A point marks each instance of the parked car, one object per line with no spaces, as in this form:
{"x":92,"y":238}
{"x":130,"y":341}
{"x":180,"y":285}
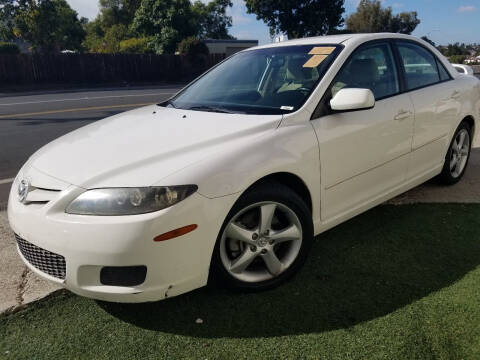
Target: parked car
{"x":463,"y":69}
{"x":231,"y":179}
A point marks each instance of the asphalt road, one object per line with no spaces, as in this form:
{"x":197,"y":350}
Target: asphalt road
{"x":27,"y":122}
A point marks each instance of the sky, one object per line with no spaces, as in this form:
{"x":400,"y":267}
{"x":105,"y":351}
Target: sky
{"x":443,"y":21}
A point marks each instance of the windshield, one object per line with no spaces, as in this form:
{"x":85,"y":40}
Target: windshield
{"x":275,"y":80}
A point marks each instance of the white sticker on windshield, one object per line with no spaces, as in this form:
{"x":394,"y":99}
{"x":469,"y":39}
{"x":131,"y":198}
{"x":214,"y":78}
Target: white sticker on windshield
{"x":287,"y":108}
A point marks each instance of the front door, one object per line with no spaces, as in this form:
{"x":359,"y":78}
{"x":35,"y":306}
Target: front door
{"x":364,"y":154}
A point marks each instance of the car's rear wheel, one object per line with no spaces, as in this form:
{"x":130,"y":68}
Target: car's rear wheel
{"x":264,"y":239}
{"x":457,"y":156}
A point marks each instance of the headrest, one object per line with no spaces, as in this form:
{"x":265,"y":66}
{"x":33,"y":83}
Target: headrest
{"x":363,"y":72}
{"x":296,"y":71}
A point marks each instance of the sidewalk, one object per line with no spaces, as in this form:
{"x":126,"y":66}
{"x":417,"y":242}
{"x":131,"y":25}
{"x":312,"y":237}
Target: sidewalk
{"x":20,"y":286}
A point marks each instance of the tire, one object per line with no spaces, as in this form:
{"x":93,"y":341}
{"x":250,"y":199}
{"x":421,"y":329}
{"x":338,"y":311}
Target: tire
{"x":456,"y":160}
{"x":243,"y":223}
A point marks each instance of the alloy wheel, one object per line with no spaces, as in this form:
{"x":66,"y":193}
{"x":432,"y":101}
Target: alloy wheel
{"x":460,"y":151}
{"x":260,"y":242}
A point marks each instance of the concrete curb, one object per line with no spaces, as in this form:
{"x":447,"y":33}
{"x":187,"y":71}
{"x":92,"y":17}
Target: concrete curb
{"x":19,"y":285}
{"x":466,"y":191}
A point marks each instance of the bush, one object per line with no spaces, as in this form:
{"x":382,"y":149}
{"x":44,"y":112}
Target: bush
{"x":192,"y":47}
{"x":9,"y":48}
{"x":135,"y":46}
{"x":113,"y":37}
{"x":457,"y":59}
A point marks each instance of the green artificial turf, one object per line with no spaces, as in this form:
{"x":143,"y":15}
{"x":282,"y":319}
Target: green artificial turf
{"x":399,"y":282}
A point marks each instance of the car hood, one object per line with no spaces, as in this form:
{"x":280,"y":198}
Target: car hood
{"x":142,"y":146}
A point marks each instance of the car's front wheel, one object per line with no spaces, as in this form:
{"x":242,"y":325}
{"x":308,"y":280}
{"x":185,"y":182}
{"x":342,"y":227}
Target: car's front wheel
{"x":264,"y":239}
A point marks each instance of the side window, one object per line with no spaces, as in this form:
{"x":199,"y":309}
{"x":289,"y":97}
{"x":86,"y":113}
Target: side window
{"x":444,"y":76}
{"x":371,"y":68}
{"x":419,"y":64}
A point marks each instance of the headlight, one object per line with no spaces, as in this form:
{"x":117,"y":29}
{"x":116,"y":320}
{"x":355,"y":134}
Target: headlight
{"x":128,"y":201}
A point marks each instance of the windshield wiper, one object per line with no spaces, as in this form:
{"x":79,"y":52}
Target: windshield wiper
{"x":166,"y":103}
{"x":210,"y":109}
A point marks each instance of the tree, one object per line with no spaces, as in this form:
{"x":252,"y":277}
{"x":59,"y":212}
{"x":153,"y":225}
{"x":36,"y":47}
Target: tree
{"x":372,"y":17}
{"x":454,"y":49}
{"x":94,"y":36}
{"x":111,"y":26}
{"x":457,"y":59}
{"x":298,"y":18}
{"x":404,"y":23}
{"x":7,"y":19}
{"x":167,"y":22}
{"x":212,"y":21}
{"x":114,"y":12}
{"x":425,"y":38}
{"x":49,"y":25}
{"x":113,"y":37}
{"x":135,"y":46}
{"x":192,"y":47}
{"x":160,"y":24}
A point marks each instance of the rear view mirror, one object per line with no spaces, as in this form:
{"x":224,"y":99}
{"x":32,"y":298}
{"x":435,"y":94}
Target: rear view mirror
{"x":352,"y":99}
{"x":278,"y":62}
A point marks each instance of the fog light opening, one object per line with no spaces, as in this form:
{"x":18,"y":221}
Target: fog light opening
{"x":123,"y":275}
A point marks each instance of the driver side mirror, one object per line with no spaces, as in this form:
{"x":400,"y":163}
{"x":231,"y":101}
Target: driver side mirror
{"x":352,"y":99}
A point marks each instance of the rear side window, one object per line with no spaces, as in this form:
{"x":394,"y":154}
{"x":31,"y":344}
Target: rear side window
{"x":444,"y":76}
{"x":371,"y":68}
{"x":419,"y":64}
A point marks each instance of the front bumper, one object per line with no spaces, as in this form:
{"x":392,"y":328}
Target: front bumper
{"x":89,"y":243}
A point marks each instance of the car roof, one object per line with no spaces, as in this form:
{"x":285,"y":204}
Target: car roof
{"x":345,"y":39}
{"x":354,"y":40}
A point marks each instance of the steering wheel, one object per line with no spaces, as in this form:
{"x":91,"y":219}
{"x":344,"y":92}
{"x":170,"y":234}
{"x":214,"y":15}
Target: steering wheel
{"x":304,"y":89}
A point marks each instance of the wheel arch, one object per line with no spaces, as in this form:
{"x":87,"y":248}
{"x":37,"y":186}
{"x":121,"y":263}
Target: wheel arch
{"x":290,"y":180}
{"x":282,"y":180}
{"x":469,"y":119}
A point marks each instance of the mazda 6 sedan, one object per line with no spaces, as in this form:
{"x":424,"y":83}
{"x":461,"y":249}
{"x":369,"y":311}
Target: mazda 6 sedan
{"x":464,"y":69}
{"x":231,"y":179}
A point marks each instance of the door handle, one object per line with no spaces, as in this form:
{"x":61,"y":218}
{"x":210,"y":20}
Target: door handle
{"x":403,"y":114}
{"x":455,"y":95}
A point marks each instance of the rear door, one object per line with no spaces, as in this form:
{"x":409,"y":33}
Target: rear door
{"x":436,"y":103}
{"x":364,"y":154}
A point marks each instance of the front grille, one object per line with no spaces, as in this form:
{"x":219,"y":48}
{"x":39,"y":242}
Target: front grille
{"x":44,"y":260}
{"x":40,"y":196}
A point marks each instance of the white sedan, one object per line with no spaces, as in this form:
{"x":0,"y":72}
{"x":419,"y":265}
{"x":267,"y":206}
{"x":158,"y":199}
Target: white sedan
{"x":464,"y":69}
{"x":233,"y":177}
